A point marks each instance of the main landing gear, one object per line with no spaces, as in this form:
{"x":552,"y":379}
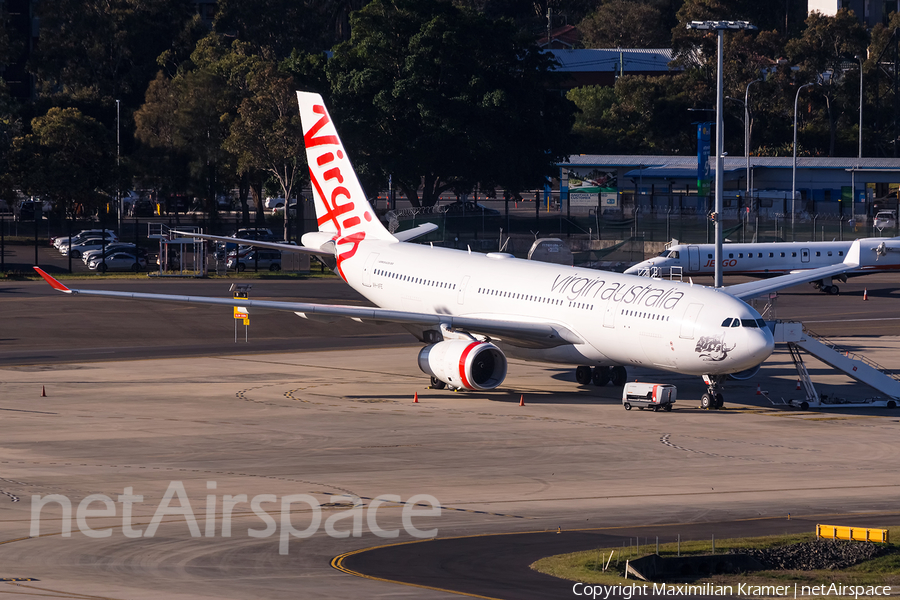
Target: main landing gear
{"x":713,"y":397}
{"x":601,"y":375}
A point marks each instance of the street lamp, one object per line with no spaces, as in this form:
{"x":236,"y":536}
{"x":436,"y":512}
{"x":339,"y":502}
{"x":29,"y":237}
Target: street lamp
{"x":794,"y":172}
{"x":720,"y":27}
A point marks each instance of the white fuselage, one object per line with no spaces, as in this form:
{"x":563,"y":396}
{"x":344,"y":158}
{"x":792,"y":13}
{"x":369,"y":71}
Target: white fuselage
{"x":759,"y":259}
{"x":622,"y":319}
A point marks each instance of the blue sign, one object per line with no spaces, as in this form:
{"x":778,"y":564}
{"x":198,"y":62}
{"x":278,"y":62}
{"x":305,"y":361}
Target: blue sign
{"x":703,"y":177}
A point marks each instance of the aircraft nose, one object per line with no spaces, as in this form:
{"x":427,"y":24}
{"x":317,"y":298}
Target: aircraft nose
{"x":760,"y":344}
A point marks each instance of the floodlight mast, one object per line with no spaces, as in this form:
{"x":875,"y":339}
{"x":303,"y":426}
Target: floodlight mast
{"x":720,"y":27}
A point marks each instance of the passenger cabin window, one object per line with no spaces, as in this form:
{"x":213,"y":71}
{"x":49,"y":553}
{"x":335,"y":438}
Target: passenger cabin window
{"x":782,"y":255}
{"x":731,"y":255}
{"x":794,"y":254}
{"x":818,"y":253}
{"x":829,"y":253}
{"x":840,"y":252}
{"x":771,"y":255}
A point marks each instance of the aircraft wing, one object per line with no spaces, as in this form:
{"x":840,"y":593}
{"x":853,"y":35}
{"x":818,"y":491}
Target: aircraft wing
{"x":272,"y":245}
{"x":758,"y":288}
{"x":416,"y":232}
{"x":517,"y":333}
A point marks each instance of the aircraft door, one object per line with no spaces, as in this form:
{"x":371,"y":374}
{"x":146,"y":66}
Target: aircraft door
{"x":688,"y":321}
{"x":609,"y":318}
{"x":368,"y":268}
{"x":461,"y":295}
{"x":693,"y":259}
{"x":804,"y":255}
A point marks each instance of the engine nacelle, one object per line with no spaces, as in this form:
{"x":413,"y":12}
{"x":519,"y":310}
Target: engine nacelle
{"x":464,"y":364}
{"x":745,"y":374}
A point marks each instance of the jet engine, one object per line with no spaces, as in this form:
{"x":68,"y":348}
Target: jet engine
{"x":467,"y":364}
{"x":745,"y":374}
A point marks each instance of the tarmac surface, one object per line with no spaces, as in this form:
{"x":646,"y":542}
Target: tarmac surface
{"x":142,"y":396}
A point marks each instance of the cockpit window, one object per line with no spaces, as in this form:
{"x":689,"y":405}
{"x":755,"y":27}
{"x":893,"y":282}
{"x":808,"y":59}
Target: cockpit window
{"x":664,"y":254}
{"x":761,"y":323}
{"x":726,"y":323}
{"x":749,"y":323}
{"x":736,"y":323}
{"x":673,"y":254}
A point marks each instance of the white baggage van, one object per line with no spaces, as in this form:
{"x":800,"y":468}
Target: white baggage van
{"x":654,"y":396}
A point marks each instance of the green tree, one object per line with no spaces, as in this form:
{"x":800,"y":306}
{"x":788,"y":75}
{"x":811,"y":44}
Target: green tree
{"x":101,"y":51}
{"x":267,"y":134}
{"x":604,"y":28}
{"x":442,"y":98}
{"x":68,"y":157}
{"x":827,"y":43}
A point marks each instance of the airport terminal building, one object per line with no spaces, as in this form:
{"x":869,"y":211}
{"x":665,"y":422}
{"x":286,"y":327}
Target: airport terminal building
{"x":834,"y":186}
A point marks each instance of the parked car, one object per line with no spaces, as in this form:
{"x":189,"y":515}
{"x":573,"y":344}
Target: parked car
{"x":88,"y":244}
{"x":111,"y":248}
{"x":885,"y":219}
{"x":251,"y":233}
{"x":272,"y":203}
{"x":64,"y":246}
{"x":142,"y":207}
{"x":81,"y":235}
{"x":118,"y":261}
{"x":268,"y":259}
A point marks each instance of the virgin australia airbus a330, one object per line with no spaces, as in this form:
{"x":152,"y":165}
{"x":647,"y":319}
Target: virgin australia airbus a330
{"x":474,"y":310}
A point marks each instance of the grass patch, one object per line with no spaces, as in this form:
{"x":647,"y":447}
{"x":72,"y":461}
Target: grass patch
{"x":587,"y":566}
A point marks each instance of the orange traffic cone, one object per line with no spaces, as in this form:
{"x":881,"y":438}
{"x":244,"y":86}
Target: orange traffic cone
{"x":865,"y":294}
{"x":416,"y":398}
{"x":522,"y":400}
{"x":798,"y":384}
{"x":758,"y":391}
{"x":43,"y":392}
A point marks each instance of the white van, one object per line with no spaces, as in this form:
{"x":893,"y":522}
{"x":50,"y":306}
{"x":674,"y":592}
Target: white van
{"x":649,"y":395}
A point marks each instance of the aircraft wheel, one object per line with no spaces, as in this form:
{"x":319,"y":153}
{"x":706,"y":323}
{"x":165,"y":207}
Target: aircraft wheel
{"x":627,"y":406}
{"x":583,"y":375}
{"x":706,"y":401}
{"x":891,"y":404}
{"x":619,"y":376}
{"x":804,"y":406}
{"x":656,"y":409}
{"x":833,"y":290}
{"x":600,"y":376}
{"x":437,"y":383}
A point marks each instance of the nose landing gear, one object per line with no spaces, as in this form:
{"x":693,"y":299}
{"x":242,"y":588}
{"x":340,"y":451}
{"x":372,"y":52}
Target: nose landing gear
{"x":713,"y":398}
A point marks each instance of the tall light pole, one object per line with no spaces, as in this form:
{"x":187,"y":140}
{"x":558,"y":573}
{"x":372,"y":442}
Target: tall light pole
{"x":794,"y":172}
{"x":747,"y":132}
{"x":720,"y":27}
{"x":859,"y":156}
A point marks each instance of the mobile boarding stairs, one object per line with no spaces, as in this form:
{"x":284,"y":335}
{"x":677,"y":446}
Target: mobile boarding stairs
{"x":854,"y":365}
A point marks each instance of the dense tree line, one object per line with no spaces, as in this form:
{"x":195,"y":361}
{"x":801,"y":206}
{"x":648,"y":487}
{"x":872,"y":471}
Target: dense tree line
{"x":436,"y":94}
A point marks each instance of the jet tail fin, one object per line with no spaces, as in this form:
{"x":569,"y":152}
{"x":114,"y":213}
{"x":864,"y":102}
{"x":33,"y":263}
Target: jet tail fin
{"x":341,"y":205}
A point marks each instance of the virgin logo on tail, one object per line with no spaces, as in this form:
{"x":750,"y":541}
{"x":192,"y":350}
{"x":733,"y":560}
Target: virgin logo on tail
{"x":341,"y":207}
